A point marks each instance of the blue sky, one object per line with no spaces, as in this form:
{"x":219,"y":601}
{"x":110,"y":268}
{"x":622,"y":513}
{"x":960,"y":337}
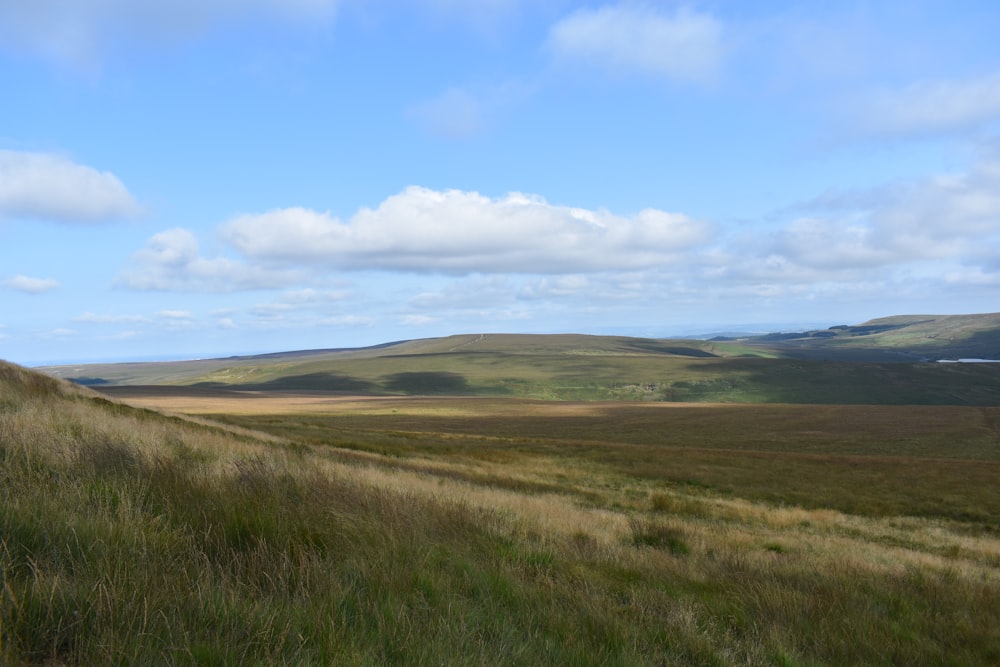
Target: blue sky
{"x":212,"y":177}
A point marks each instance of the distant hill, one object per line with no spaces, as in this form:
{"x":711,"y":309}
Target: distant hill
{"x":902,"y":337}
{"x":883,"y":361}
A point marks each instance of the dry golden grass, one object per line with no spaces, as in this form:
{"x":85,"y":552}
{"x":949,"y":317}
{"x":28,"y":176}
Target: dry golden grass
{"x":893,"y":542}
{"x":413,"y":534}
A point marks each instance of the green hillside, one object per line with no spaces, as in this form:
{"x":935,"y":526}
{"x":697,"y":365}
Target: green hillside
{"x":807,"y":369}
{"x":903,"y":337}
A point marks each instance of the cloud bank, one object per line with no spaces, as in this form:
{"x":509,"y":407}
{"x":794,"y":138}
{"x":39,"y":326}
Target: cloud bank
{"x":931,"y":107}
{"x":455,"y":232}
{"x":946,"y":224}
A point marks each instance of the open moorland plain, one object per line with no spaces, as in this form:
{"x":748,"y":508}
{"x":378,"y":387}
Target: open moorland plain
{"x":754,"y":502}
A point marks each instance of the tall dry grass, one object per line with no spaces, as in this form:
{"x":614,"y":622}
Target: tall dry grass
{"x":127,"y":537}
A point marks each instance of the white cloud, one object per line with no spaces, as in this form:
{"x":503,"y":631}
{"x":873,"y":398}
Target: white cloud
{"x":177,"y":315}
{"x":684,"y":46}
{"x":309,"y":296}
{"x":423,"y":230}
{"x":475,"y":293}
{"x":556,"y":287}
{"x":830,"y":244}
{"x":30,"y":285}
{"x":418,"y":320}
{"x":93,"y":318}
{"x":929,"y":107}
{"x":171,"y":261}
{"x":348,"y":321}
{"x":298,"y":300}
{"x":975,"y":277}
{"x":79,"y":31}
{"x":941,"y":225}
{"x":52,"y":187}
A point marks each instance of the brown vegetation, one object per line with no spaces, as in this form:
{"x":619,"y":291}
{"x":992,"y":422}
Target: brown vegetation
{"x":439,"y":531}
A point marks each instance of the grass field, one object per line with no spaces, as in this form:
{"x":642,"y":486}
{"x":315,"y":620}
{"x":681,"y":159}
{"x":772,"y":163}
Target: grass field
{"x":278,"y":528}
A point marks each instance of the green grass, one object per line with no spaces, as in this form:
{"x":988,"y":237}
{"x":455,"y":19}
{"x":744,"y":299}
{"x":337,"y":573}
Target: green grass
{"x":487,"y":534}
{"x":873,"y":460}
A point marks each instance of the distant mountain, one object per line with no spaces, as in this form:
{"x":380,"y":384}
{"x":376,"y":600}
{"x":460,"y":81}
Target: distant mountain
{"x":897,"y":338}
{"x":883,"y":361}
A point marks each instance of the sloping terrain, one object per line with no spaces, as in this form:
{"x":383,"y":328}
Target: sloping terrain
{"x":903,"y":337}
{"x":578,"y":367}
{"x":447,"y":531}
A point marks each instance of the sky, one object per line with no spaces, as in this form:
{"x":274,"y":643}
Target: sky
{"x":201,"y":178}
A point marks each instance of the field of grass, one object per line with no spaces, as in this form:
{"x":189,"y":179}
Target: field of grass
{"x":311,"y":529}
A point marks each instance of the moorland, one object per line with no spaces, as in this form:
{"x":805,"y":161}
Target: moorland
{"x":500,"y":499}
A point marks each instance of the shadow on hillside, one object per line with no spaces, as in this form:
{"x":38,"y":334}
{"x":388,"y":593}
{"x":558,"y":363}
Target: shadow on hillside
{"x":429,"y":382}
{"x":979,"y":345}
{"x":306,"y":382}
{"x":658,"y":347}
{"x":828,"y":382}
{"x":88,"y":381}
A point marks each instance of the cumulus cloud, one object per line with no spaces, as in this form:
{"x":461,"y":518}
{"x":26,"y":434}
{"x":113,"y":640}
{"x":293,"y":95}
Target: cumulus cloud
{"x":171,"y":261}
{"x":683,"y":46}
{"x":51,"y":187}
{"x":423,"y":230}
{"x":30,"y":285}
{"x":930,"y":107}
{"x":78,"y":31}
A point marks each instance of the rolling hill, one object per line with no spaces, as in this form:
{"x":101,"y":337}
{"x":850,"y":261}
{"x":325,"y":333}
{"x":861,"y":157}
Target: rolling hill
{"x":902,"y":337}
{"x":883,"y":361}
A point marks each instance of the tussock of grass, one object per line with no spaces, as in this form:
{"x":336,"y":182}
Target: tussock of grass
{"x":129,"y":538}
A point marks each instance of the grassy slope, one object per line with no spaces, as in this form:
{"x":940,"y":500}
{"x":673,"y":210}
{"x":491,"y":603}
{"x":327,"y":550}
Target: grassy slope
{"x":895,"y":338}
{"x":572,"y":367}
{"x":131,"y":538}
